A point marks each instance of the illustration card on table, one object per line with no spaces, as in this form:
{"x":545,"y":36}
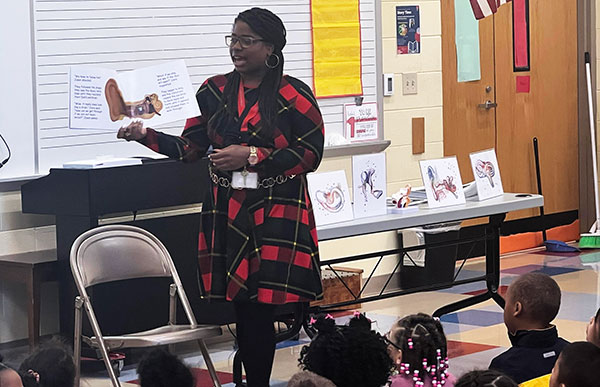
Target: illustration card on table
{"x":443,"y":185}
{"x":368,"y":185}
{"x":487,"y":174}
{"x":330,"y":197}
{"x":103,"y":99}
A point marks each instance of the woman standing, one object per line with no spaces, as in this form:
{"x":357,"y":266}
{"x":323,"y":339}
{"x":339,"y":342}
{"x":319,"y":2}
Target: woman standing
{"x":258,"y":243}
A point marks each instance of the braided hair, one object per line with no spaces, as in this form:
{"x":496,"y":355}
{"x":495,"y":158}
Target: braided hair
{"x":349,"y":355}
{"x":271,"y":29}
{"x":485,"y":378}
{"x":51,"y":365}
{"x":422,"y":341}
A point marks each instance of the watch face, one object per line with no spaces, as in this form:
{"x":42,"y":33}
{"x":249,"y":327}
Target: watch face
{"x":253,"y":159}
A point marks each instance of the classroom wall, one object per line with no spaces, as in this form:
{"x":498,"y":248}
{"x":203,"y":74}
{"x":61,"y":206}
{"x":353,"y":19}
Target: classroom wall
{"x":24,"y":232}
{"x":402,"y":165}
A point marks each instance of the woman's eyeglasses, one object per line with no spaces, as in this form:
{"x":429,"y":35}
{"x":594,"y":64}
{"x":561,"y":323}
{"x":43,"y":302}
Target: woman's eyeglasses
{"x":245,"y":41}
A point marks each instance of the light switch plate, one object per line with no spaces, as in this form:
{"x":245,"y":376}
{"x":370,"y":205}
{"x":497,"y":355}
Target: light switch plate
{"x":409,"y":83}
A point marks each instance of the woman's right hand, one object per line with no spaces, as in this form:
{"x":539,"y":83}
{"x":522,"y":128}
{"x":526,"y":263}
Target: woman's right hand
{"x":134,"y":131}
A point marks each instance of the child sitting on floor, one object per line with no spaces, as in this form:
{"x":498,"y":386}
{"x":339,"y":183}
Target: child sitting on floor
{"x":592,"y":333}
{"x":349,"y":355}
{"x":417,"y":346}
{"x":159,"y":368}
{"x":577,"y":366}
{"x":485,"y":378}
{"x":50,"y":365}
{"x":532,"y":302}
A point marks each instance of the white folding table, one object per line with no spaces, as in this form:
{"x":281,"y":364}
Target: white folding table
{"x":494,"y":209}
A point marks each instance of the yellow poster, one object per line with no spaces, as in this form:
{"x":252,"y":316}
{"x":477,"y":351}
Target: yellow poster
{"x":337,"y":69}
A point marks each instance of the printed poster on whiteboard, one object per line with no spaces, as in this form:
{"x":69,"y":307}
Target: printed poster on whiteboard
{"x":361,"y":122}
{"x":487,"y":174}
{"x":103,"y":99}
{"x":443,"y":185}
{"x":330,"y":197}
{"x":369,"y":185}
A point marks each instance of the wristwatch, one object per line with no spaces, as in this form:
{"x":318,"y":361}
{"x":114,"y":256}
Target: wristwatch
{"x":253,"y":157}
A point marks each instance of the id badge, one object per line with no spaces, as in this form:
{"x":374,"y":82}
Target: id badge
{"x":244,"y":180}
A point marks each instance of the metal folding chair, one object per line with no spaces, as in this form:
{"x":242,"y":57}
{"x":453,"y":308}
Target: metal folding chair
{"x":121,"y":252}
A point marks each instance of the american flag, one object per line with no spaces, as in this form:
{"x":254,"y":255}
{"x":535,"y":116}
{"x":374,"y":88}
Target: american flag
{"x":483,"y":8}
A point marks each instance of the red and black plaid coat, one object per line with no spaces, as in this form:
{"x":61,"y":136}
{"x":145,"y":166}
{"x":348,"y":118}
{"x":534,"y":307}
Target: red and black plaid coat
{"x":258,"y":245}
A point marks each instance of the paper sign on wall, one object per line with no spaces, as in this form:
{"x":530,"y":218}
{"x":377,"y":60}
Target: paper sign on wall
{"x":361,"y":122}
{"x":330,"y":197}
{"x":408,"y":31}
{"x":369,"y":185}
{"x":487,"y":174}
{"x":443,"y":185}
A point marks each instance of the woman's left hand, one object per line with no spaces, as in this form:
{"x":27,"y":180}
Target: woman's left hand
{"x":230,"y":158}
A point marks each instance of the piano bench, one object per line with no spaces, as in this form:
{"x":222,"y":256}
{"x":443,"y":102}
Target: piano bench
{"x":30,"y":269}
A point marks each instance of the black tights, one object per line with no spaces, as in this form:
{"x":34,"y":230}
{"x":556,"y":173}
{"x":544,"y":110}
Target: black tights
{"x":256,"y":340}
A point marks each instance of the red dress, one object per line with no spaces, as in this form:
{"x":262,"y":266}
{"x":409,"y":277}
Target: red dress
{"x":256,"y":245}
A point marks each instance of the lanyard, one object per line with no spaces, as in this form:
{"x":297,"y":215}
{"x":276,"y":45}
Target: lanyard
{"x":242,"y":107}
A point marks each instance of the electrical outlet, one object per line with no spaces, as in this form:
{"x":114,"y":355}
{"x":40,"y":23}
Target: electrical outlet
{"x":409,"y":83}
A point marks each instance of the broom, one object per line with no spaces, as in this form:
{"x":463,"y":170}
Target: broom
{"x":592,"y":239}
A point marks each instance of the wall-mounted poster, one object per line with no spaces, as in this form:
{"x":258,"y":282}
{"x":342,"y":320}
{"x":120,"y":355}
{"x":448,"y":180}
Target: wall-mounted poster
{"x":330,"y":197}
{"x":443,"y":185}
{"x":408,"y":31}
{"x":487,"y":174}
{"x":368,"y":185}
{"x":361,"y":122}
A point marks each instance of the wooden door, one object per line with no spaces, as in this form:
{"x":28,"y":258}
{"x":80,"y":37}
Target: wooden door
{"x":548,"y":111}
{"x":467,"y":127}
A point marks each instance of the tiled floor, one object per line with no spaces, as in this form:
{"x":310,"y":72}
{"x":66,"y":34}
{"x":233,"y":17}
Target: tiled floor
{"x":475,"y":335}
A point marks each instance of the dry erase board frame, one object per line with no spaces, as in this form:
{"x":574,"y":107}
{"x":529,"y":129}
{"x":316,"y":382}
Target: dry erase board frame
{"x":129,"y":34}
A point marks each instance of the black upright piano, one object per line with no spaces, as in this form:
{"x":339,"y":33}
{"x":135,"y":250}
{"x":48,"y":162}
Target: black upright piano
{"x":81,"y":198}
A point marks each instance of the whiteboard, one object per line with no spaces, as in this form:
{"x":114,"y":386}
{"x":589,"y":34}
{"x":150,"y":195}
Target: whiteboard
{"x":124,"y":35}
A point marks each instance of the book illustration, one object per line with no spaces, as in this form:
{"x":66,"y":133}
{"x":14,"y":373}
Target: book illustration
{"x":485,"y":170}
{"x":104,"y":99}
{"x":443,"y":185}
{"x":369,"y":184}
{"x":367,"y":178}
{"x":440,"y":187}
{"x":332,"y":198}
{"x":119,"y":109}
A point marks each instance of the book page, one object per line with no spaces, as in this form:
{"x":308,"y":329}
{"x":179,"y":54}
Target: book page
{"x":87,"y":102}
{"x":161,"y":93}
{"x":102,"y":99}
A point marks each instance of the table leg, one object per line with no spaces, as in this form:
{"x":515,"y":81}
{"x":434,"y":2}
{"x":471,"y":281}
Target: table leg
{"x":492,"y":270}
{"x":33,"y":309}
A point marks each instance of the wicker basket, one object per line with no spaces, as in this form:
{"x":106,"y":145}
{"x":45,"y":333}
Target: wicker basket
{"x":334,"y":290}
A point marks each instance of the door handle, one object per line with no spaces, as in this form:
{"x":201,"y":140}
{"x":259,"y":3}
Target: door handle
{"x":487,"y":105}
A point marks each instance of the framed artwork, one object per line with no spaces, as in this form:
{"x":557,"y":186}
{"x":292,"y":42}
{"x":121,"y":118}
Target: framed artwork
{"x":330,"y":197}
{"x":487,"y":174}
{"x":369,"y":185}
{"x":443,"y":185}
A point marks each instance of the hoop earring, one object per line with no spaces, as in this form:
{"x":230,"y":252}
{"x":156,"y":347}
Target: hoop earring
{"x":272,"y":66}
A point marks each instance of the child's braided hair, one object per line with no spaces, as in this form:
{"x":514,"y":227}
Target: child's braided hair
{"x":349,"y":355}
{"x":422,"y":341}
